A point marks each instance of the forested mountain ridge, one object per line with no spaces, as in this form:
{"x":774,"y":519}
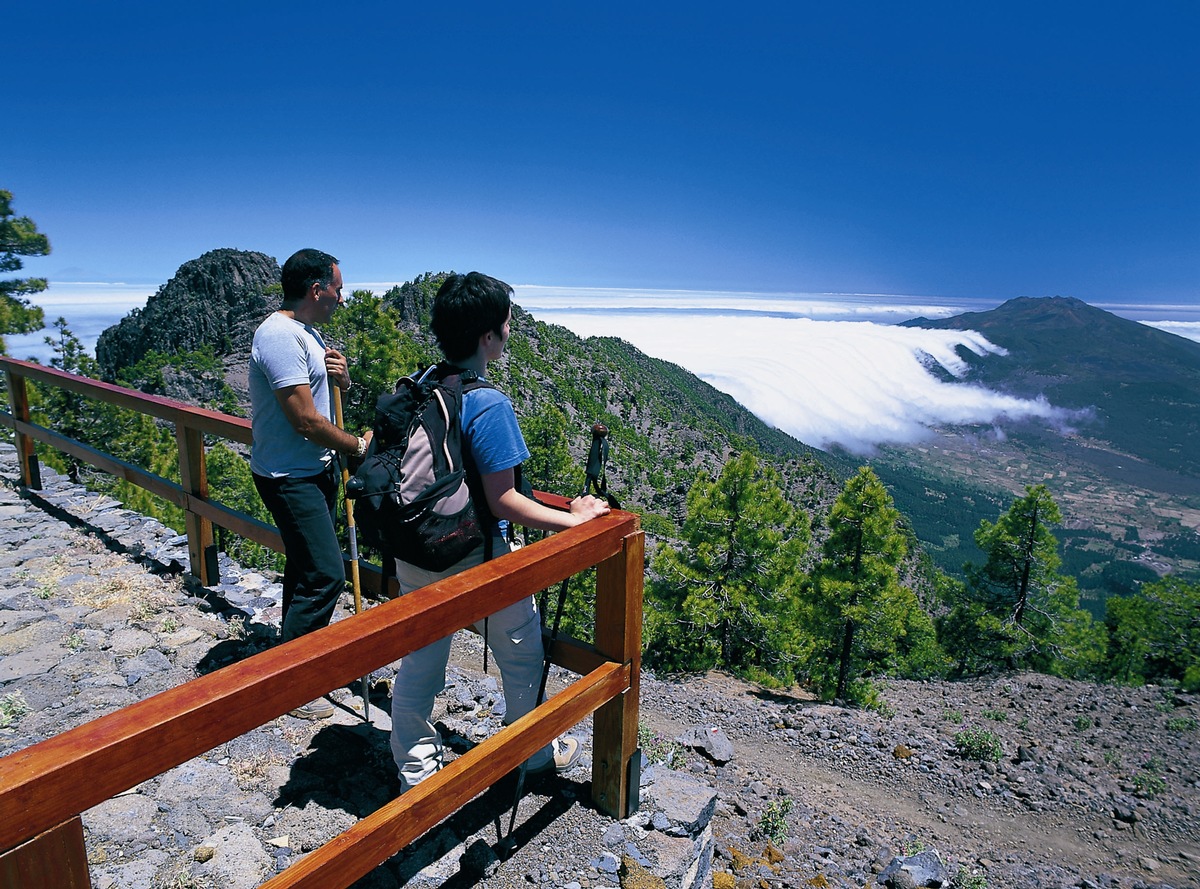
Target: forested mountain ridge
{"x":1143,"y":383}
{"x":1125,"y":468}
{"x":665,"y":424}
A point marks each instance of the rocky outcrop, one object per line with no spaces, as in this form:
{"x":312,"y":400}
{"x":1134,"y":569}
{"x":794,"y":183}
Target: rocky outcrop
{"x":414,"y":299}
{"x":216,"y":300}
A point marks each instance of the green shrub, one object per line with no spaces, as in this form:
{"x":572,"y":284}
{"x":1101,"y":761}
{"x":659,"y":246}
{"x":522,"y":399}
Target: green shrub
{"x":1149,"y":784}
{"x":659,"y":749}
{"x":772,"y":825}
{"x":964,"y":879}
{"x":954,"y":716}
{"x":995,"y":715}
{"x":1083,"y":723}
{"x":12,"y":707}
{"x":980,"y":745}
{"x":1181,"y":724}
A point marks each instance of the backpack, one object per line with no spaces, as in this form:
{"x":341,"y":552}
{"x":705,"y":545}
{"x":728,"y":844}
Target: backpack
{"x":411,"y":492}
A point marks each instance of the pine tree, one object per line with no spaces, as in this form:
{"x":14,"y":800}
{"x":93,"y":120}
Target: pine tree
{"x":1154,"y":634}
{"x":860,"y":613}
{"x":376,"y":362}
{"x":18,"y":237}
{"x":550,"y":468}
{"x":728,"y":597}
{"x":1017,"y":610}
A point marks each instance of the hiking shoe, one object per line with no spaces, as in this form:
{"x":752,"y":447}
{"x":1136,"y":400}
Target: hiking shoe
{"x":567,"y":752}
{"x":318,"y":709}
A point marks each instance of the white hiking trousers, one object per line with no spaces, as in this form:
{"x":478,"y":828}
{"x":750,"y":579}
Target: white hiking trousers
{"x":515,"y":638}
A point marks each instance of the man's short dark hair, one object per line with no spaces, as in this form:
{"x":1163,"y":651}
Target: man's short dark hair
{"x":305,"y":268}
{"x":465,"y":308}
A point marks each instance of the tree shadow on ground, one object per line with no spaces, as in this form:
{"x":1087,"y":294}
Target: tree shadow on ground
{"x":778,"y":697}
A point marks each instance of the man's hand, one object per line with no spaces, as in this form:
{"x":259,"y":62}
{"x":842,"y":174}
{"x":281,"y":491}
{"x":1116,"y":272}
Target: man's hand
{"x":338,"y":368}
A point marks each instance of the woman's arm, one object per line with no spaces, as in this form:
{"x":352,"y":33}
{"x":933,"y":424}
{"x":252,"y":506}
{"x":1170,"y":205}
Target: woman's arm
{"x":506,"y":502}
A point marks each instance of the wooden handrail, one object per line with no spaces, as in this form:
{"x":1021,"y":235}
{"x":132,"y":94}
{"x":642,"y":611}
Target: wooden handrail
{"x":43,"y":788}
{"x":177,"y":412}
{"x":41,"y":785}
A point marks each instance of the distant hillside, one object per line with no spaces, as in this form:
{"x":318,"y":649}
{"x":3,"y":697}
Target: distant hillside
{"x":1127,"y":479}
{"x":666,"y":424}
{"x":1144,"y":383}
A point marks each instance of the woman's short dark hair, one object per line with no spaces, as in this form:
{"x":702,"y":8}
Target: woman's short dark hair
{"x":303,"y":269}
{"x":465,"y":308}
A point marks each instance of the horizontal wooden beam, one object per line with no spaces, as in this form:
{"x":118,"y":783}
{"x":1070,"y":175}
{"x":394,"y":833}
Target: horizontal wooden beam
{"x":208,"y":421}
{"x":377,"y":837}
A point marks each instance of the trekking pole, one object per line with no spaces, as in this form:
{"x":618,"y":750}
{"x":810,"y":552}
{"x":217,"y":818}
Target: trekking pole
{"x":595,"y":478}
{"x":352,"y":532}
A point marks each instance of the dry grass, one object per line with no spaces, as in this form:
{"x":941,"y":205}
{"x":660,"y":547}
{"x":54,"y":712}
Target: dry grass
{"x":178,"y":875}
{"x":249,"y":771}
{"x":114,"y":582}
{"x":133,"y":589}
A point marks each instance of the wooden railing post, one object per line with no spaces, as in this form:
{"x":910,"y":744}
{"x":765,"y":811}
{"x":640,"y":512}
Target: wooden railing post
{"x":193,"y":478}
{"x":618,"y":638}
{"x":55,"y":858}
{"x":18,"y":400}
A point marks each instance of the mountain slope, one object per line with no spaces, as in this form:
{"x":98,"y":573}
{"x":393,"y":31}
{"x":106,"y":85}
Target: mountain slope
{"x":1143,"y":383}
{"x":1126,"y":476}
{"x":666,"y":424}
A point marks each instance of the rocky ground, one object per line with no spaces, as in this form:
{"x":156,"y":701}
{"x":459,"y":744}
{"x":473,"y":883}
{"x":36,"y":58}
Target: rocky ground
{"x":1094,"y":786}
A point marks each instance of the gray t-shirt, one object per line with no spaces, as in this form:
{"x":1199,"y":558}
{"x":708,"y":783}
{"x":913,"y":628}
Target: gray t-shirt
{"x":285,"y":353}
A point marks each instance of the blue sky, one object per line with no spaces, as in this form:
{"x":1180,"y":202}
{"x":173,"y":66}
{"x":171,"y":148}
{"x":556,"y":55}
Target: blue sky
{"x":952,"y":149}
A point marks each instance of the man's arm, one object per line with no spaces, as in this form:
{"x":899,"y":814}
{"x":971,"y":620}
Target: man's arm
{"x":301,"y":411}
{"x":506,"y":502}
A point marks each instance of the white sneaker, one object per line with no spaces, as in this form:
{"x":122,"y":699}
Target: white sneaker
{"x":318,"y":709}
{"x":567,"y":752}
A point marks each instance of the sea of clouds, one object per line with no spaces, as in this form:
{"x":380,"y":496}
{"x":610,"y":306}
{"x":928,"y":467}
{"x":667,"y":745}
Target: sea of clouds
{"x":89,"y":308}
{"x":826,"y":368}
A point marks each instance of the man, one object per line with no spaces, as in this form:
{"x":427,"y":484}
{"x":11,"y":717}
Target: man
{"x":471,"y":315}
{"x":295,"y":441}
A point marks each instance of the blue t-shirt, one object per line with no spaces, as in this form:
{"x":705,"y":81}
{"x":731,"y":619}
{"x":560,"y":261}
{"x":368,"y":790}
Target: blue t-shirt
{"x":285,"y":353}
{"x":491,"y":431}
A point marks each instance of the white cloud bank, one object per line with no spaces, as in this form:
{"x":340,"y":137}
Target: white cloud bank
{"x":855,"y":383}
{"x":1187,"y":329}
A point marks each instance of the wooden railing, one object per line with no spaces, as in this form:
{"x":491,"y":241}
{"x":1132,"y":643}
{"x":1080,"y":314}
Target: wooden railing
{"x":45,"y":787}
